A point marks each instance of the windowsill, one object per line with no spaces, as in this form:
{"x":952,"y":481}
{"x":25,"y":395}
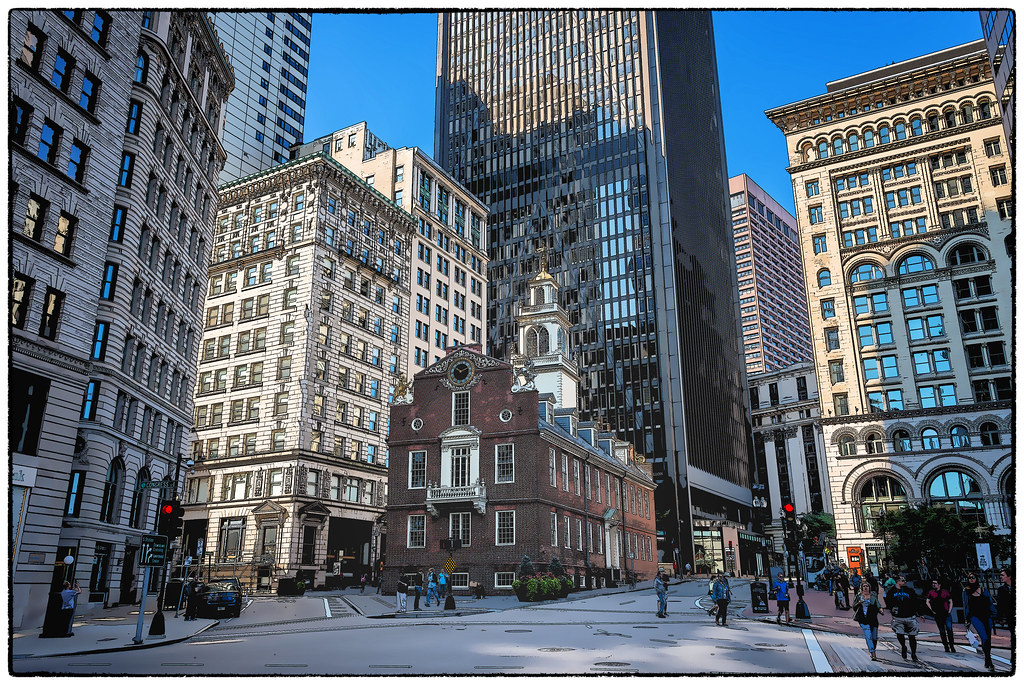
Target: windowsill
{"x":60,"y":93}
{"x":27,"y":154}
{"x":45,"y":250}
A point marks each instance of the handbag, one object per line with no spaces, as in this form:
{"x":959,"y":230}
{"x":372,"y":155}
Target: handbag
{"x":973,"y":638}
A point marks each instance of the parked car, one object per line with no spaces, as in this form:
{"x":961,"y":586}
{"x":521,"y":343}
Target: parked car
{"x":220,"y":598}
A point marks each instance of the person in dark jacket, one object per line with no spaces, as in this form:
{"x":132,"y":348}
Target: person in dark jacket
{"x":901,"y":601}
{"x":978,"y":613}
{"x":1005,"y":604}
{"x":721,"y":594}
{"x":192,"y":587}
{"x":842,"y":594}
{"x":940,"y":602}
{"x":867,"y":610}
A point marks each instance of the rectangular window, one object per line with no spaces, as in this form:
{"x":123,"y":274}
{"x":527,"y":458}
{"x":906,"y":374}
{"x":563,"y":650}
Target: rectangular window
{"x":816,"y":216}
{"x":459,"y":527}
{"x":505,"y":527}
{"x":76,"y":161}
{"x":828,"y":309}
{"x":73,"y":503}
{"x":417,"y":531}
{"x":565,"y":472}
{"x":417,"y":470}
{"x":504,"y":463}
{"x":576,"y":476}
{"x":90,"y":92}
{"x":99,"y":340}
{"x":63,"y":65}
{"x":53,"y":304}
{"x":32,"y":49}
{"x":460,"y":409}
{"x":49,"y":142}
{"x":90,"y":400}
{"x":35,"y":217}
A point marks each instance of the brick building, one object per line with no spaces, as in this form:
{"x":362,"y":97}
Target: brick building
{"x":493,"y":453}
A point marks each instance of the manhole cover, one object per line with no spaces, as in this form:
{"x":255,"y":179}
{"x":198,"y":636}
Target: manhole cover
{"x":611,"y":663}
{"x":557,"y":649}
{"x":518,"y":631}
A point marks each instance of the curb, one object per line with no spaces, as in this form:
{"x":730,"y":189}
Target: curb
{"x":104,"y":650}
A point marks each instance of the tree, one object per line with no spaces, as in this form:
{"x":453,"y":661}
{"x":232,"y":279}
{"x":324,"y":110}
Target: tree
{"x":814,"y":523}
{"x":526,"y":567}
{"x":935,"y":533}
{"x":555,"y":567}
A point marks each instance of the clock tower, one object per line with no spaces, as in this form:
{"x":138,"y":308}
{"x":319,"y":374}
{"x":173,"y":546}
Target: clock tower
{"x":544,"y":343}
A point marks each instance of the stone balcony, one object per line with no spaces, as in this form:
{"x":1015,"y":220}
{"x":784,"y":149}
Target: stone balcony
{"x":475,"y":494}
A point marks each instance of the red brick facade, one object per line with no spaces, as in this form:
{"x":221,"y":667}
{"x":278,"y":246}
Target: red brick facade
{"x":424,"y":432}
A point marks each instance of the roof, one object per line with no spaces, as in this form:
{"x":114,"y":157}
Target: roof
{"x":587,"y":447}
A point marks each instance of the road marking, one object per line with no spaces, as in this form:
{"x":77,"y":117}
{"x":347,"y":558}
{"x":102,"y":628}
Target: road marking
{"x":818,"y":657}
{"x":327,"y":608}
{"x":172,"y":663}
{"x":389,"y":666}
{"x":286,"y":665}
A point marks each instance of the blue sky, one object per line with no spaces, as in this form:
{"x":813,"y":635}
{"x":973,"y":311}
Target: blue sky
{"x":765,"y":59}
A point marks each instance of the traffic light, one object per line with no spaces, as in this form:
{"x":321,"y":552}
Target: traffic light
{"x":789,"y":513}
{"x":169,"y":518}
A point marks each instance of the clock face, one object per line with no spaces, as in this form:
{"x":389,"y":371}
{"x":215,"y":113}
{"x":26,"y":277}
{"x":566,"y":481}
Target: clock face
{"x":461,"y":372}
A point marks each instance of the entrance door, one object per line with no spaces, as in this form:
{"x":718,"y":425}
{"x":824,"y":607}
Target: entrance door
{"x":127,"y":595}
{"x":98,"y":578}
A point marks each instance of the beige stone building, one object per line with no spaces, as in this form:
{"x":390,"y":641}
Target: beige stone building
{"x":903,"y":195}
{"x":306,"y":327}
{"x":449,"y":261}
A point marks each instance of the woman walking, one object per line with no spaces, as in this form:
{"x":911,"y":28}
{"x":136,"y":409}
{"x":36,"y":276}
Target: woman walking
{"x":721,"y":594}
{"x":867,"y":610}
{"x":978,"y":613}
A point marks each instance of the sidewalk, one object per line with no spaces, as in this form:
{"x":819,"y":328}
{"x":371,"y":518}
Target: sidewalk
{"x":825,"y":616}
{"x":107,"y":631}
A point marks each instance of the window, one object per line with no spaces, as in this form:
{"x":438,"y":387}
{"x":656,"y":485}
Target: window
{"x":901,"y":441}
{"x":959,"y":437}
{"x":979,"y":320}
{"x":63,"y":64}
{"x":505,"y":528}
{"x":828,"y":309}
{"x":820,"y":244}
{"x":99,"y":340}
{"x":417,"y":470}
{"x":49,"y":142}
{"x":109,"y":508}
{"x":841,"y":404}
{"x":127,"y":167}
{"x":53,"y":304}
{"x":998,"y":175}
{"x":934,"y":396}
{"x":504,"y":463}
{"x":417,"y":532}
{"x":1005,"y":207}
{"x":992,"y":147}
{"x":76,"y":161}
{"x":915,"y":263}
{"x":989,"y":434}
{"x":847,"y":446}
{"x":460,"y":409}
{"x":835,"y":369}
{"x":930,"y":439}
{"x":824,"y":278}
{"x":960,"y":493}
{"x":100,"y":29}
{"x":32,"y":49}
{"x":879,"y":495}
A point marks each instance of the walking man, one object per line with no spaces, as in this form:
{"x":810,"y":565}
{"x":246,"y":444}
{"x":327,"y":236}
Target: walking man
{"x":901,"y":601}
{"x":940,"y":603}
{"x":721,"y":596}
{"x":1004,"y":599}
{"x":842,"y":593}
{"x":191,"y":598}
{"x":661,"y":588}
{"x":402,"y":595}
{"x":68,"y":602}
{"x":781,"y":590}
{"x":432,"y":587}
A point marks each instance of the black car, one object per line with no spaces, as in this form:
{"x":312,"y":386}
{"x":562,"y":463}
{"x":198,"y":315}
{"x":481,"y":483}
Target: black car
{"x":219,"y":598}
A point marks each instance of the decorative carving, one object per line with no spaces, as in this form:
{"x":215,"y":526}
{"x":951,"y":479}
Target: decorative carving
{"x":523,"y":376}
{"x":403,"y":390}
{"x":288,"y":480}
{"x":81,"y":448}
{"x":258,"y":488}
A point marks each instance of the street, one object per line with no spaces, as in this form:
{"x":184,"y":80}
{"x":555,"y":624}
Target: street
{"x":335,"y":634}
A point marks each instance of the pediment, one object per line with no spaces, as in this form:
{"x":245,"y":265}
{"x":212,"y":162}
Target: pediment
{"x":314,"y":510}
{"x":460,"y":433}
{"x":267,"y":509}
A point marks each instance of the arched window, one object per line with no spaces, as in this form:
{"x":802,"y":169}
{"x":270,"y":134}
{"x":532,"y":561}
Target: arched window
{"x":967,"y":114}
{"x":141,"y":68}
{"x":883,"y":134}
{"x":989,"y":434}
{"x":959,"y":437}
{"x":959,"y":492}
{"x":866,"y":272}
{"x":967,"y":253}
{"x":879,"y":495}
{"x":930,"y":439}
{"x":915,"y":263}
{"x":915,"y":126}
{"x":901,"y":131}
{"x":984,"y":109}
{"x":847,"y":446}
{"x":136,"y":516}
{"x":874,"y":443}
{"x":823,"y":149}
{"x":837,"y":146}
{"x":901,"y":441}
{"x":933,"y":121}
{"x":537,"y":341}
{"x":824,"y":278}
{"x":109,"y":507}
{"x":538,"y":295}
{"x":869,"y":138}
{"x":853,"y":142}
{"x":949,"y":116}
{"x":543,"y":341}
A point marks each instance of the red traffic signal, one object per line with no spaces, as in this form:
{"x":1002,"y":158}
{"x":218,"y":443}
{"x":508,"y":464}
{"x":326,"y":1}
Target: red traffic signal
{"x":169,"y":518}
{"x":788,"y":508}
{"x":167,"y":508}
{"x":789,"y":513}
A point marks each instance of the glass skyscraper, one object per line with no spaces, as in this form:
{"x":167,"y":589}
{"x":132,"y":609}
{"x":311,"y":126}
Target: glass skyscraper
{"x":595,"y":139}
{"x":269,"y":52}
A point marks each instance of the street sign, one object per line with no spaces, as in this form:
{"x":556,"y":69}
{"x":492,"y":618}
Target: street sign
{"x":165,"y":483}
{"x":188,"y":561}
{"x":199,"y":547}
{"x":153,"y":551}
{"x":449,"y":566}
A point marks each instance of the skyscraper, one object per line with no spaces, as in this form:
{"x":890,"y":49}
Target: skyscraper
{"x":903,"y":197}
{"x":269,"y":53}
{"x":597,"y":136}
{"x":997,"y":26}
{"x":115,"y":119}
{"x":773,"y":306}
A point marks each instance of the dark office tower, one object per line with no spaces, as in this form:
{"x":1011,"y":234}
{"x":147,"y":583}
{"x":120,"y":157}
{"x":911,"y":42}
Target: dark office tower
{"x":269,"y":53}
{"x":595,"y":138}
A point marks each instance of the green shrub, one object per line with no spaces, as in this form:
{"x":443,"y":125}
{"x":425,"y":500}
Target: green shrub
{"x":526,"y":567}
{"x":555,"y":567}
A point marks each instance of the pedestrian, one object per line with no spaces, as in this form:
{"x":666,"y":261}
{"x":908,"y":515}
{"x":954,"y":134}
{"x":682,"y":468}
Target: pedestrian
{"x":922,"y":569}
{"x":842,"y":593}
{"x":442,"y":584}
{"x":711,"y":584}
{"x":940,"y":603}
{"x":675,"y":569}
{"x":867,"y":610}
{"x":978,"y":613}
{"x":432,"y":587}
{"x":191,"y":598}
{"x":1004,"y":599}
{"x":871,"y":580}
{"x":401,"y":595}
{"x":417,"y":579}
{"x":781,"y":590}
{"x":688,"y":572}
{"x":889,"y":582}
{"x":661,"y":588}
{"x":901,"y":601}
{"x":721,"y":596}
{"x":68,"y":602}
{"x":855,"y":581}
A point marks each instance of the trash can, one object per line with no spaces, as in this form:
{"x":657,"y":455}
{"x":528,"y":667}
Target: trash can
{"x":759,"y":598}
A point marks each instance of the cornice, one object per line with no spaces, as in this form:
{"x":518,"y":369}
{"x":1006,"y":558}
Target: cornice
{"x":906,"y":414}
{"x":935,"y":238}
{"x":59,"y":358}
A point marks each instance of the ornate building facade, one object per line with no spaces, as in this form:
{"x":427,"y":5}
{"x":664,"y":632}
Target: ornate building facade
{"x":306,"y":326}
{"x":494,"y":454}
{"x":116,"y":118}
{"x":903,"y":195}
